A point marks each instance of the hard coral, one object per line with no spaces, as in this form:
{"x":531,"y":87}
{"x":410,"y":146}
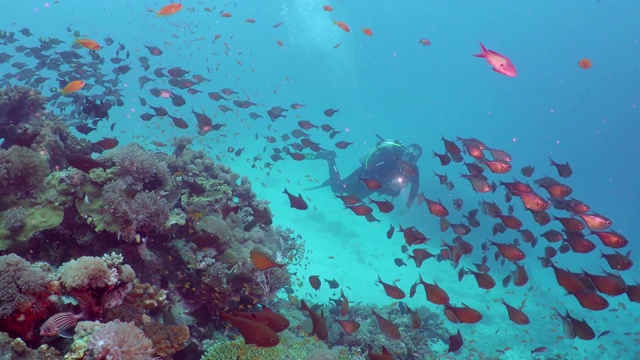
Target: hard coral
{"x":147,"y":171}
{"x":18,"y":104}
{"x":13,"y":219}
{"x":23,"y":296}
{"x":22,"y":171}
{"x":120,"y":340}
{"x":20,"y":283}
{"x":167,"y":339}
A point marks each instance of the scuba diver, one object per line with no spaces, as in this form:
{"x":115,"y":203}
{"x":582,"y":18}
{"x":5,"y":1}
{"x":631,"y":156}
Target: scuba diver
{"x":390,"y":164}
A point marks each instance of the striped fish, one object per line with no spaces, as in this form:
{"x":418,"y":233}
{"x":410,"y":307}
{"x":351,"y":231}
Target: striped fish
{"x":60,"y":324}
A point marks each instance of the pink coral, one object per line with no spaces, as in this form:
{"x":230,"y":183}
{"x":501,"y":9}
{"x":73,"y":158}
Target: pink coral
{"x":120,"y":340}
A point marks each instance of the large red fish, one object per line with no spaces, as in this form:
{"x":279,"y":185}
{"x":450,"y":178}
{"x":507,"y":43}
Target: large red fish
{"x":319,"y":323}
{"x":272,"y":319}
{"x":253,"y":332}
{"x":388,"y":328}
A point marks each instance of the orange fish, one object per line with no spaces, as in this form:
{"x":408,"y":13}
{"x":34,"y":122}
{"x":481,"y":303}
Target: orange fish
{"x":72,"y":87}
{"x":226,"y":15}
{"x":88,"y":43}
{"x":595,"y":221}
{"x":327,"y":8}
{"x":342,"y":25}
{"x":262,"y":261}
{"x":389,"y":329}
{"x":169,"y":9}
{"x":367,"y":31}
{"x":253,"y":332}
{"x":585,"y":63}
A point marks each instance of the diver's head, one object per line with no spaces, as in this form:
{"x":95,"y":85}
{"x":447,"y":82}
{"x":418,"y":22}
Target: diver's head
{"x":412,"y":154}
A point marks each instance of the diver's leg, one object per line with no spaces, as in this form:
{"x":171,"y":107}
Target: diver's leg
{"x":334,"y":177}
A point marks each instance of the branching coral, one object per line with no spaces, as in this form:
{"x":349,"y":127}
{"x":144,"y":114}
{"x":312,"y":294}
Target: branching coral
{"x":18,"y":104}
{"x":21,"y":171}
{"x":147,"y":171}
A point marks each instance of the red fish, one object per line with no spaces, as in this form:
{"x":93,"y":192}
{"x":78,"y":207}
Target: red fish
{"x":371,"y":184}
{"x":60,"y":324}
{"x":484,"y":280}
{"x":568,"y":280}
{"x":564,"y":170}
{"x":434,"y":293}
{"x":595,"y":221}
{"x":516,"y":315}
{"x":499,"y":63}
{"x":319,"y":323}
{"x":464,"y":314}
{"x":253,"y":332}
{"x":455,"y":342}
{"x":436,"y":208}
{"x":591,"y":300}
{"x":360,"y":210}
{"x":296,"y":202}
{"x":618,"y":261}
{"x":314,"y":281}
{"x":349,"y":326}
{"x":384,"y":206}
{"x":388,"y":328}
{"x":342,"y":25}
{"x":344,"y":308}
{"x":273,"y":320}
{"x":609,"y":284}
{"x":392,"y":290}
{"x":510,"y":252}
{"x":343,"y":144}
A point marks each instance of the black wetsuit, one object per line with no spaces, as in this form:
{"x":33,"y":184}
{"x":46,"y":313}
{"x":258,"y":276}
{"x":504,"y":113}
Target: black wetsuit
{"x":383,"y":166}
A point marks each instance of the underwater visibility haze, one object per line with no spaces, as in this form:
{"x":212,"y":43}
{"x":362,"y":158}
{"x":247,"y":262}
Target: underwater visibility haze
{"x":311,"y":180}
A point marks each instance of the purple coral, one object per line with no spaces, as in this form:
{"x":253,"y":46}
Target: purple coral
{"x":120,"y":340}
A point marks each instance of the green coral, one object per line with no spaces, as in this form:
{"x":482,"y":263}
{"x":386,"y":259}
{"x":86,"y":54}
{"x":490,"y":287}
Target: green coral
{"x":95,"y":210}
{"x":37,"y":218}
{"x":288,"y":349}
{"x":216,"y":192}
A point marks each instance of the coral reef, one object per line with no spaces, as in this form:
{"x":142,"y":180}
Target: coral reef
{"x":188,"y":224}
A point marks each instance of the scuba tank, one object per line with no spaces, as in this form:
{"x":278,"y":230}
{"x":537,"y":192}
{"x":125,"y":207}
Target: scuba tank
{"x":381,"y":145}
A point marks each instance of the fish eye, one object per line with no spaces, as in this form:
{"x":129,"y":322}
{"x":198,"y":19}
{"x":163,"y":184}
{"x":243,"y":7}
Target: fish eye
{"x":501,"y":65}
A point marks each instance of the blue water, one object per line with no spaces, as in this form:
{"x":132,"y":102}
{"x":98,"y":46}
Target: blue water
{"x":389,"y":84}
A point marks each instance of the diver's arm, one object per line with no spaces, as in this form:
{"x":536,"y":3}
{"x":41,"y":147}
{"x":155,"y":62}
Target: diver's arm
{"x":415,"y":184}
